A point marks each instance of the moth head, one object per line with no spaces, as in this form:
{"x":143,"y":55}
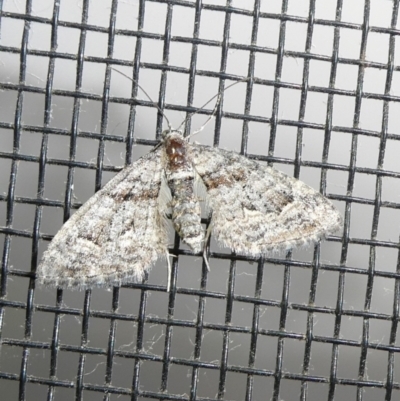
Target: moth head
{"x":170,"y":132}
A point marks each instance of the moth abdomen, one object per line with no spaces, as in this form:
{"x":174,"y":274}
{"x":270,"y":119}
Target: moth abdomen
{"x":185,"y":206}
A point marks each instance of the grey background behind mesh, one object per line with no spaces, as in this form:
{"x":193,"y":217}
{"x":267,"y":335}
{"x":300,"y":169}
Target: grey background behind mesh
{"x":321,"y":104}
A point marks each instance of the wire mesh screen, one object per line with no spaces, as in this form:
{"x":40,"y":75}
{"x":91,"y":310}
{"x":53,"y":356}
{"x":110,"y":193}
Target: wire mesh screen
{"x":321,"y":103}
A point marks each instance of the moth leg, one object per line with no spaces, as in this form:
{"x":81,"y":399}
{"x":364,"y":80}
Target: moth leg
{"x":206,"y":260}
{"x":169,"y":269}
{"x":207,"y":237}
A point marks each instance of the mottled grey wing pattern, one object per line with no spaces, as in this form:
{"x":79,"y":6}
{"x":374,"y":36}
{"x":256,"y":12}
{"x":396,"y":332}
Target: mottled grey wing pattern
{"x":257,"y":209}
{"x":114,"y":237}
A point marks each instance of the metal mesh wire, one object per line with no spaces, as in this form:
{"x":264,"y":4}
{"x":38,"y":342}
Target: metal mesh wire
{"x":131,"y":343}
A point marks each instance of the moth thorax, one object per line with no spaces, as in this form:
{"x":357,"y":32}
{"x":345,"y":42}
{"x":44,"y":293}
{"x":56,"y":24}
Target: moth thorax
{"x":176,"y":151}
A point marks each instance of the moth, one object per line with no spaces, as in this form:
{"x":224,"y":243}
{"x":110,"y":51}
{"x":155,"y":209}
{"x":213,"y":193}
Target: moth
{"x":121,"y":231}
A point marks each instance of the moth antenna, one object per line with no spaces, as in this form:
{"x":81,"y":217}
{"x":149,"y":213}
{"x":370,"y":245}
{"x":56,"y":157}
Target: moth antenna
{"x":146,"y":94}
{"x":214,"y":112}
